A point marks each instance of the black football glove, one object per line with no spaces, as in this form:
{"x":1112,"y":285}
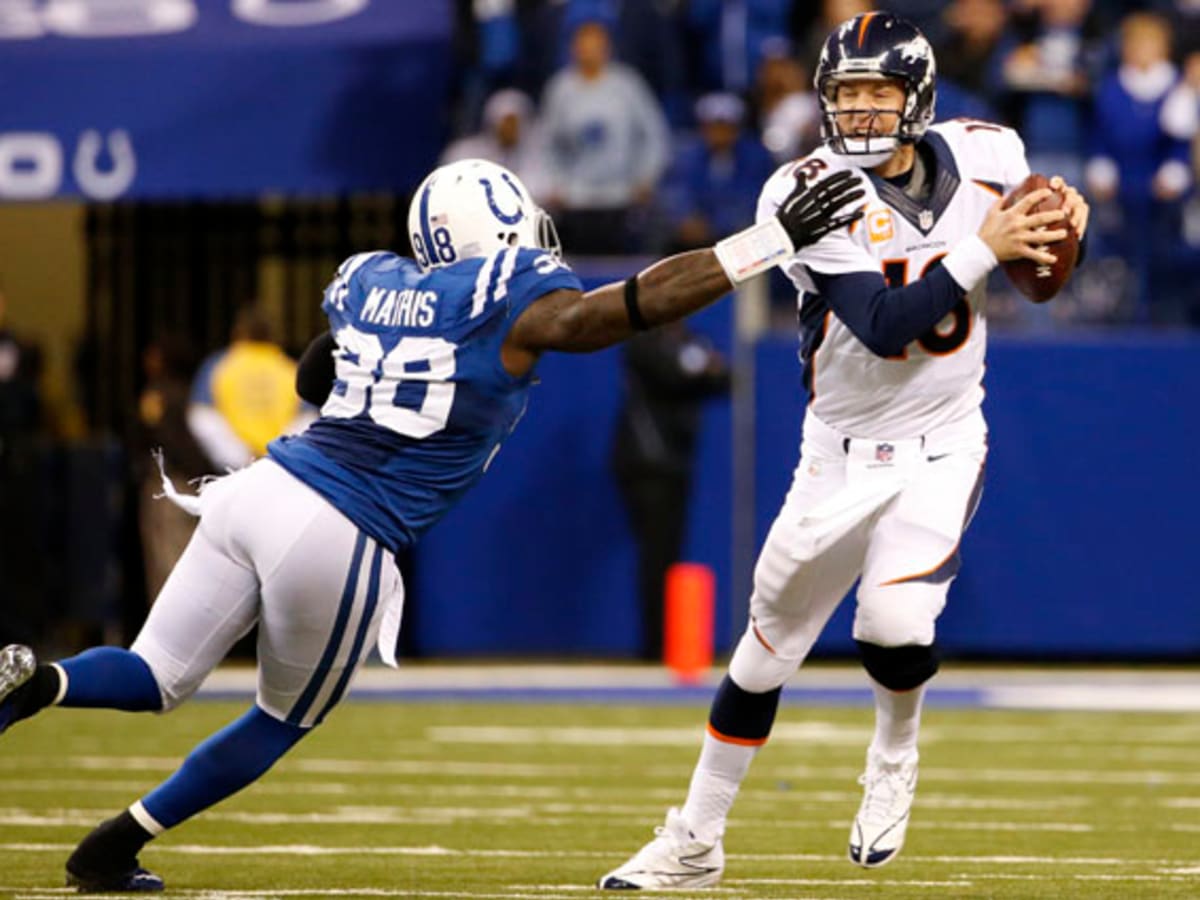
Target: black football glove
{"x":810,"y":213}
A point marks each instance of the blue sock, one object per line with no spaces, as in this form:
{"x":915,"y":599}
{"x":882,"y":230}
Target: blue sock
{"x":224,"y":764}
{"x":110,"y":678}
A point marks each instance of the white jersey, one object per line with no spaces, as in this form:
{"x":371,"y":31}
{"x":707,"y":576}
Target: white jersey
{"x":938,"y":378}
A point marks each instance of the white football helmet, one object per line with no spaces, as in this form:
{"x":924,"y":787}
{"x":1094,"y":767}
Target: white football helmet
{"x":473,"y":208}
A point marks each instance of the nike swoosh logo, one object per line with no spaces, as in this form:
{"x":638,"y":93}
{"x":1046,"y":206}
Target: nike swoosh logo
{"x":937,"y":457}
{"x":690,"y":867}
{"x":695,"y":870}
{"x":699,"y":867}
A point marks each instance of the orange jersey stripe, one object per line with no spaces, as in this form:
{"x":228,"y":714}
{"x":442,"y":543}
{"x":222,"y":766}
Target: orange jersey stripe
{"x":987,"y":187}
{"x":761,"y":639}
{"x":924,"y":574}
{"x":742,"y":742}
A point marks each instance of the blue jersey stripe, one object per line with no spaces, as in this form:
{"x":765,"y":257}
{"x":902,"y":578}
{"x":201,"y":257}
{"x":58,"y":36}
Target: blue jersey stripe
{"x":300,"y":710}
{"x":360,"y":635}
{"x":426,"y":233}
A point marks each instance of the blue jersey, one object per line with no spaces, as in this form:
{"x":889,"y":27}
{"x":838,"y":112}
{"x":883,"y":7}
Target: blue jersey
{"x":421,"y":401}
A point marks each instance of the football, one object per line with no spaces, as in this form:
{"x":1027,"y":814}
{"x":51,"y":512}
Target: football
{"x":1035,"y":280}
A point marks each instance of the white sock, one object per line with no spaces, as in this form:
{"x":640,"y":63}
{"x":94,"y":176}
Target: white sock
{"x":714,"y":787}
{"x":897,"y":723}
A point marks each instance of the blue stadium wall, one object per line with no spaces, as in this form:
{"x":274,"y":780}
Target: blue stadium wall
{"x":1082,"y":548}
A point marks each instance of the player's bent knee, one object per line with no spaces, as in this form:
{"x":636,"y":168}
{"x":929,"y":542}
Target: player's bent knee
{"x":756,"y":669}
{"x":172,"y":698}
{"x":899,"y":668}
{"x":173,"y":690}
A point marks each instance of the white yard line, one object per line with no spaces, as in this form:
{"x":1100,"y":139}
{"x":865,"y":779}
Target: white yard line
{"x":1074,"y":775}
{"x":1128,"y":688}
{"x":1157,"y":697}
{"x":815,"y":732}
{"x":406,"y":816}
{"x":466,"y":768}
{"x":849,"y":882}
{"x":211,"y":894}
{"x":552,"y":795}
{"x":1162,"y":865}
{"x":436,"y":676}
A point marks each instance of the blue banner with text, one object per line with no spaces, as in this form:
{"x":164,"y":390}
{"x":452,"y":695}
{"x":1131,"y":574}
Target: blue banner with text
{"x":144,"y":99}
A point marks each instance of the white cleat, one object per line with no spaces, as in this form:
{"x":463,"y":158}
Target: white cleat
{"x":878,"y":831}
{"x":674,"y":859}
{"x":17,"y":665}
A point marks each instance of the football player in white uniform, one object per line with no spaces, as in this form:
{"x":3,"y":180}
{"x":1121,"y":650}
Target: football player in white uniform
{"x":424,"y":372}
{"x":893,"y":333}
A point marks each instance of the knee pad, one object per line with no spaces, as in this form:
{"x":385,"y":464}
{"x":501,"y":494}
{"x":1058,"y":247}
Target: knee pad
{"x":742,"y":716}
{"x":756,"y":669}
{"x":899,"y":668}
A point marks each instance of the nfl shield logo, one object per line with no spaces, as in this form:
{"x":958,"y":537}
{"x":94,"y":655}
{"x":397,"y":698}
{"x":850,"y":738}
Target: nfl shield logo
{"x":884,"y":453}
{"x":926,"y":219}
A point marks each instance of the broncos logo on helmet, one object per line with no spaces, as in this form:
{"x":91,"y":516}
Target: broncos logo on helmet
{"x":877,"y":45}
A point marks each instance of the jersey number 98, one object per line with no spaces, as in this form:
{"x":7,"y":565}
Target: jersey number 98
{"x":407,"y":389}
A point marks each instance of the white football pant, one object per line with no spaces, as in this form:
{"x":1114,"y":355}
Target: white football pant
{"x":270,"y":550}
{"x":890,"y":511}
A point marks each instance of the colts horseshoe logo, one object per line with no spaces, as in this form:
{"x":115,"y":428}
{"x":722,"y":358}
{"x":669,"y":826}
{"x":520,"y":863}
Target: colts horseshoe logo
{"x":506,"y":218}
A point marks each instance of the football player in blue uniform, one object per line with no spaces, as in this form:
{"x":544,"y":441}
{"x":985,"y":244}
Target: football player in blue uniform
{"x":424,"y":372}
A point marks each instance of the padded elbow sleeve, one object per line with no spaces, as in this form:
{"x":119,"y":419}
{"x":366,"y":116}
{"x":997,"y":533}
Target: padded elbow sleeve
{"x":316,"y":371}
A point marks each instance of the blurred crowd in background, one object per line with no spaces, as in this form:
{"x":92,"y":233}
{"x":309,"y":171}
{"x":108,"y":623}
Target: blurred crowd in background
{"x":644,"y":127}
{"x":649,"y":126}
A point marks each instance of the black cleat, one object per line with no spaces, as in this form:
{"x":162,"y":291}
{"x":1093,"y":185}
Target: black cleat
{"x":105,"y":862}
{"x":134,"y":881}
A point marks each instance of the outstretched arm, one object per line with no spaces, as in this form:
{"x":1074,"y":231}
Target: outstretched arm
{"x":575,"y":322}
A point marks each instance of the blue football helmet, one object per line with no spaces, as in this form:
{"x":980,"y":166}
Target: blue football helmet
{"x":884,"y":46}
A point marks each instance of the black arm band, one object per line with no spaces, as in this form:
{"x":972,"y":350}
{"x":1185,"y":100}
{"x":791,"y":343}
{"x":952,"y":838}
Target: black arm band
{"x":631,"y":305}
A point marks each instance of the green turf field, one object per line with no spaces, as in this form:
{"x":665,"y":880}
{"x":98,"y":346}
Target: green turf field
{"x":520,"y":801}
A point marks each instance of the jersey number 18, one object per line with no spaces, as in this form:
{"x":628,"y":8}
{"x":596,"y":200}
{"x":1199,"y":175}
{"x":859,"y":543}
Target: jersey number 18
{"x":938,"y":340}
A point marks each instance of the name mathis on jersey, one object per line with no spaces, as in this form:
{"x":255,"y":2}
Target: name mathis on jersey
{"x":407,"y":308}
